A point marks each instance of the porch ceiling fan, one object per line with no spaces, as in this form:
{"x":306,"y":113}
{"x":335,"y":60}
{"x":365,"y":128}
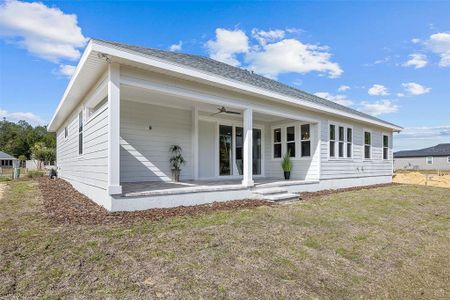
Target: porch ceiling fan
{"x":224,"y":110}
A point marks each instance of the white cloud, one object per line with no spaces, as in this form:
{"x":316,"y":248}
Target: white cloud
{"x":339,"y":99}
{"x":291,"y":55}
{"x":416,"y":60}
{"x":18,"y":116}
{"x":343,"y":88}
{"x":66,"y":70}
{"x":45,"y":32}
{"x":426,"y":132}
{"x":415,"y":89}
{"x":378,"y":90}
{"x":273,"y":54}
{"x":415,"y":40}
{"x":263,"y":37}
{"x":400,"y":95}
{"x":227,"y":44}
{"x":379,"y":107}
{"x":421,"y":137}
{"x":176,"y":47}
{"x":439,"y":43}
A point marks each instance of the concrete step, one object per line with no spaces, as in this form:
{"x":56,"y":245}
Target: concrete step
{"x":282,"y":197}
{"x":269,"y":191}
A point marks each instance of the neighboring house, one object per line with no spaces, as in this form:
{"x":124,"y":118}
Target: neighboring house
{"x":125,"y":106}
{"x":7,"y":161}
{"x":433,"y":158}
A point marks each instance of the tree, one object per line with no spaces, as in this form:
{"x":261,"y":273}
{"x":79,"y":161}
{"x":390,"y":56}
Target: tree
{"x":42,"y":153}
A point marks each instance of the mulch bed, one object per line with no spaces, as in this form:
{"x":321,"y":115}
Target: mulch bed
{"x":65,"y":205}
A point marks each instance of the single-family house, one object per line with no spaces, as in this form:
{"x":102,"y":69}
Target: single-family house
{"x":432,"y":158}
{"x":7,"y":161}
{"x":126,"y":105}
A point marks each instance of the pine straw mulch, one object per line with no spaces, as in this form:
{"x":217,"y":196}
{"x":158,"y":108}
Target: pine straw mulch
{"x":65,"y":205}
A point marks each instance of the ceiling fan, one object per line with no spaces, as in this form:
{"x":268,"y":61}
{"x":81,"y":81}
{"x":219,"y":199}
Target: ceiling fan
{"x":224,"y":110}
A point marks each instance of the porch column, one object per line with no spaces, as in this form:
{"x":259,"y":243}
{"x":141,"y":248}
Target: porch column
{"x":195,"y":142}
{"x":114,"y":186}
{"x":247,"y":179}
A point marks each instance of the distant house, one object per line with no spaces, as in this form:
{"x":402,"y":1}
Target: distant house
{"x":433,"y":158}
{"x":6,"y":160}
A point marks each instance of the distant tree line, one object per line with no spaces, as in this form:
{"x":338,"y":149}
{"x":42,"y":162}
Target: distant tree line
{"x":24,"y":141}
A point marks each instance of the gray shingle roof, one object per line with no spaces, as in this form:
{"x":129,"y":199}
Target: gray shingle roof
{"x":438,"y":150}
{"x":4,"y":155}
{"x":224,"y":70}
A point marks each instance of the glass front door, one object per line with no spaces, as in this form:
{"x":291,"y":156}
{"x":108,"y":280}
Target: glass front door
{"x":225,"y":160}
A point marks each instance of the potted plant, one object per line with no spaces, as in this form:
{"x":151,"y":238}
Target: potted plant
{"x":176,"y":161}
{"x":286,"y":164}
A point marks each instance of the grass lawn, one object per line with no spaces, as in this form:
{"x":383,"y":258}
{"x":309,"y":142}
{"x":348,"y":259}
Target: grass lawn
{"x":388,"y":242}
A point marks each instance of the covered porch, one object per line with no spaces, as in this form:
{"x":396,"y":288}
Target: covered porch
{"x":229,"y":142}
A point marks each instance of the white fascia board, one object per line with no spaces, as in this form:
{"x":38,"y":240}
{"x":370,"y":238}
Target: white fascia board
{"x":182,"y":70}
{"x":52,"y":125}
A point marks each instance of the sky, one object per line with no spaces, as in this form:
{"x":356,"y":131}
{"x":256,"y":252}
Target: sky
{"x":388,"y":59}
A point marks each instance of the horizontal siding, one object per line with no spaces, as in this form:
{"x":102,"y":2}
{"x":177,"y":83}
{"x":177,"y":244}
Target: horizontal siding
{"x":91,"y":167}
{"x":144,"y":153}
{"x":439,"y":163}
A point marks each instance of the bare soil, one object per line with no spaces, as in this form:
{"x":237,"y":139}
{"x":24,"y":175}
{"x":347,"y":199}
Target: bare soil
{"x":423,"y":178}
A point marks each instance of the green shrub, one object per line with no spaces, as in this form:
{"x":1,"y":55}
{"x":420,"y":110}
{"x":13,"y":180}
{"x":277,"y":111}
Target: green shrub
{"x":35,"y":174}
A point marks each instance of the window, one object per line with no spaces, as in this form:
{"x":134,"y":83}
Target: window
{"x":448,"y":159}
{"x":349,"y":142}
{"x":332,"y":140}
{"x":341,"y":141}
{"x":66,"y":132}
{"x":367,"y":144}
{"x":305,"y":140}
{"x":290,"y":140}
{"x":277,"y":143}
{"x":429,"y":160}
{"x":80,"y":133}
{"x":385,"y":147}
{"x":93,"y":110}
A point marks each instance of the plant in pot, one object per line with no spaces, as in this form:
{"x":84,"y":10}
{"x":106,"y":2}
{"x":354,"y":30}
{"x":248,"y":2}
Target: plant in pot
{"x":286,"y":164}
{"x":176,"y":161}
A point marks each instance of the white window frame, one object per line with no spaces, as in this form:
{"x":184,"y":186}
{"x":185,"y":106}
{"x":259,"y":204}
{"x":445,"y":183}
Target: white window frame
{"x":336,"y":141}
{"x":272,"y":133}
{"x":307,"y":140}
{"x":448,"y":159}
{"x":341,"y":141}
{"x":364,"y":145}
{"x":347,"y":143}
{"x":81,"y":132}
{"x":330,"y":140}
{"x":383,"y":147}
{"x":66,"y":132}
{"x":294,"y":141}
{"x":427,"y":161}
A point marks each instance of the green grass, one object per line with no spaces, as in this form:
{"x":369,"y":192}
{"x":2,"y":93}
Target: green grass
{"x":389,"y":242}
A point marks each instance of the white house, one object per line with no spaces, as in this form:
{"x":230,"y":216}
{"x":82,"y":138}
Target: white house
{"x":126,"y":105}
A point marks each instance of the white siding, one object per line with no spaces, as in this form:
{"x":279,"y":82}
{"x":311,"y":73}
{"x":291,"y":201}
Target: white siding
{"x":91,"y":167}
{"x":439,"y":163}
{"x":356,"y":166}
{"x":144,"y":153}
{"x":207,"y":149}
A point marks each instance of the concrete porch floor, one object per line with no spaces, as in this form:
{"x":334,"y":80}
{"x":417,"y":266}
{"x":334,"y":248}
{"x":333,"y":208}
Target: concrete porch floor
{"x":154,"y":188}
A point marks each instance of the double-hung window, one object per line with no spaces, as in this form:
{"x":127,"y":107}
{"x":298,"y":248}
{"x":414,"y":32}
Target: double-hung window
{"x":349,"y":142}
{"x":341,"y":142}
{"x":305,"y":135}
{"x":290,"y":140}
{"x":385,"y":147}
{"x":66,"y":132}
{"x":80,"y":133}
{"x":448,"y":159}
{"x":367,"y":144}
{"x":277,"y":143}
{"x":429,"y":160}
{"x":332,"y":145}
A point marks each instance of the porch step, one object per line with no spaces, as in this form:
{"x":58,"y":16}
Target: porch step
{"x":282,"y":197}
{"x":270,"y":191}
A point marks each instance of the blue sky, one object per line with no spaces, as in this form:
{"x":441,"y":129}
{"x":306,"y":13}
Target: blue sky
{"x":388,"y":59}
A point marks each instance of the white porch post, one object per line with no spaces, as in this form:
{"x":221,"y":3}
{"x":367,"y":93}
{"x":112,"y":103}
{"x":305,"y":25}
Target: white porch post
{"x":114,"y":186}
{"x":195,"y":142}
{"x":248,"y":148}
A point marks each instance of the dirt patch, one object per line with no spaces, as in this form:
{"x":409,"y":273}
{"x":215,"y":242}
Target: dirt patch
{"x":65,"y":205}
{"x":2,"y":188}
{"x":422,"y":179}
